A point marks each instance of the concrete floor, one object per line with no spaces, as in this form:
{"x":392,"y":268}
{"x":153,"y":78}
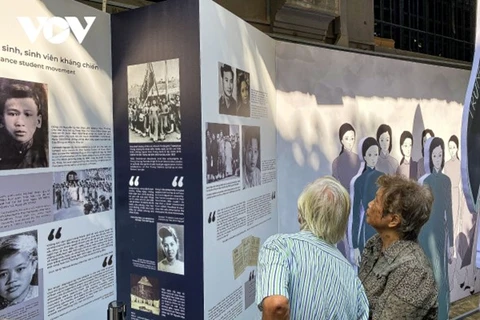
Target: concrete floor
{"x":465,"y":305}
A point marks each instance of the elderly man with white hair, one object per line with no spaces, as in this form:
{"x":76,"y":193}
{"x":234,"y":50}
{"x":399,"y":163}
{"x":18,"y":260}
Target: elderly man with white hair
{"x":303,"y":275}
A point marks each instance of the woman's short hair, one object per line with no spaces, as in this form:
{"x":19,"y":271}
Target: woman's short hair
{"x":323,"y":208}
{"x":167,"y":232}
{"x":242,"y":77}
{"x":411,"y":201}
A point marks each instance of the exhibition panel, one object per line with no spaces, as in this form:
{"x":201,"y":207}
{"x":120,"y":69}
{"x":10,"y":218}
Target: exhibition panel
{"x":57,"y":248}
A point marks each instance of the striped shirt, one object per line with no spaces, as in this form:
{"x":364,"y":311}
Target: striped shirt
{"x":313,"y":275}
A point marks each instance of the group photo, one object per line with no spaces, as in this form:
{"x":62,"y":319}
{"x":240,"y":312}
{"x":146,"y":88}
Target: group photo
{"x":154,"y":102}
{"x":82,"y":192}
{"x":23,"y":124}
{"x":222,"y":150}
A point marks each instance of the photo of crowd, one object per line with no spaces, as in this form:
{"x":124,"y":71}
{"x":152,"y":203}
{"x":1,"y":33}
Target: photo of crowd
{"x":23,"y":124}
{"x":222,"y":150}
{"x":82,"y":192}
{"x":154,"y":102}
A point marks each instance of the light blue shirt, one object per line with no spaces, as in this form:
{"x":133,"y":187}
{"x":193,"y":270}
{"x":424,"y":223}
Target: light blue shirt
{"x":313,"y":275}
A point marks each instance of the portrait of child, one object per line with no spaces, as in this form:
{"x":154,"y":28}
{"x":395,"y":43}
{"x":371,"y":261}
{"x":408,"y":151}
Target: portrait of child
{"x":18,"y":269}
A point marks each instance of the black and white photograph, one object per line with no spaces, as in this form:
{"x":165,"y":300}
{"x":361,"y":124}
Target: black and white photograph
{"x":234,"y":91}
{"x":154,"y":102}
{"x":243,"y":93}
{"x":222,"y":150}
{"x":170,"y":244}
{"x":23,"y":124}
{"x":144,"y":294}
{"x":251,"y":166}
{"x":81,"y":192}
{"x":18,"y":268}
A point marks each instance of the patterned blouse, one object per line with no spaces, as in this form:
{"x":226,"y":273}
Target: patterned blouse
{"x":399,"y":282}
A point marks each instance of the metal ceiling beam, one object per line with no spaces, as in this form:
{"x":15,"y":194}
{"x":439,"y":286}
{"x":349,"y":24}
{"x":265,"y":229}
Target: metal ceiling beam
{"x":124,"y":4}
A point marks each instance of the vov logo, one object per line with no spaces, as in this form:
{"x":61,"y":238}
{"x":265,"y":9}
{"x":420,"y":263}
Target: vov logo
{"x":56,"y":30}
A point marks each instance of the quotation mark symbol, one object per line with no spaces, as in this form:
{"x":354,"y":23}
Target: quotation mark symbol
{"x":211,"y":217}
{"x":134,"y":181}
{"x":177,"y":182}
{"x":52,"y":235}
{"x":274,"y":195}
{"x":107,"y":261}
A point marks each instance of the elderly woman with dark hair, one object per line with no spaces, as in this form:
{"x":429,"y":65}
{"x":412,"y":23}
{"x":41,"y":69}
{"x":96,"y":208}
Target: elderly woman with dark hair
{"x":395,"y":272}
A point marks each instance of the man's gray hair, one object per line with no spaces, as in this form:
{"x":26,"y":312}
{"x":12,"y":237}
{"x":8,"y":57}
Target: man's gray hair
{"x":323,"y":209}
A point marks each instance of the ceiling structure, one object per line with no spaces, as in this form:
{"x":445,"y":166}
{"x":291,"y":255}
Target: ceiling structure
{"x":115,"y":6}
{"x":338,"y":30}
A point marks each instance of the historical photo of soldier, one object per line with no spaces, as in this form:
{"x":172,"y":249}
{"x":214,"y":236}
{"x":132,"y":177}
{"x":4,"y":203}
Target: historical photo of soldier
{"x":18,"y":268}
{"x":154,"y":102}
{"x":222,"y":151}
{"x":23,"y":124}
{"x":170,"y":246}
{"x":145,"y":294}
{"x":82,"y":192}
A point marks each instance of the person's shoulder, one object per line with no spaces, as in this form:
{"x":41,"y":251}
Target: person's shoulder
{"x":277,"y":238}
{"x":420,"y":260}
{"x":418,"y":279}
{"x":161,"y":264}
{"x":280,"y":240}
{"x":34,"y":290}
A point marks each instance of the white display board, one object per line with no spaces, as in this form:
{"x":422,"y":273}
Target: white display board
{"x":56,"y":161}
{"x":239,"y":148}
